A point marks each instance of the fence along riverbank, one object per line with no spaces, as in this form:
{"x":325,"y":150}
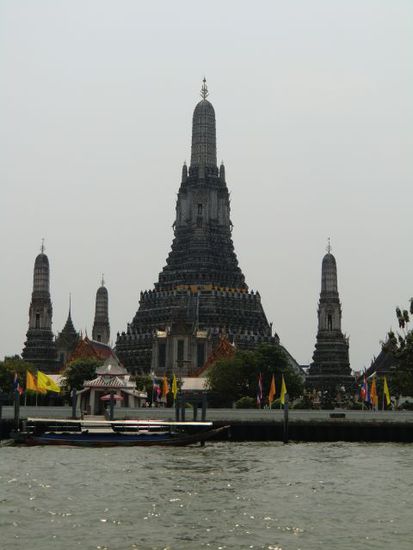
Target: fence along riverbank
{"x":264,"y":425}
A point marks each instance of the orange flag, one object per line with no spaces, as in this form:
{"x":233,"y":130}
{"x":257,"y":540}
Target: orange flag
{"x":165,"y":387}
{"x":373,"y":393}
{"x":272,"y":393}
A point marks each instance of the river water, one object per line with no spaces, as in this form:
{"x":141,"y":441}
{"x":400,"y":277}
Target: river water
{"x":250,"y":495}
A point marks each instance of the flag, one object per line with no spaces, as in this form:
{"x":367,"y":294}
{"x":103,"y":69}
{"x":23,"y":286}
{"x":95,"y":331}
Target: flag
{"x":259,"y":391}
{"x":165,"y":387}
{"x":46,"y":383}
{"x":364,"y":391}
{"x":373,"y":393}
{"x":386,"y":392}
{"x":16,"y":385}
{"x":283,"y":391}
{"x":31,"y":382}
{"x":174,"y":387}
{"x":156,"y":392}
{"x":272,"y":393}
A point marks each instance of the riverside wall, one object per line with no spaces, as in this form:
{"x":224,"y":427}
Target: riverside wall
{"x":264,"y":425}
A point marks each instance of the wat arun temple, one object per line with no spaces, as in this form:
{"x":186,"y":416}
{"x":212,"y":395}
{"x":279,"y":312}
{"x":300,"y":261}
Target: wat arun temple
{"x":200,"y":308}
{"x":201,"y":296}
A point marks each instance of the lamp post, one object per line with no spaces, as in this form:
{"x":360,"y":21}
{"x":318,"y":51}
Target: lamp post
{"x":74,"y":402}
{"x":111,"y":406}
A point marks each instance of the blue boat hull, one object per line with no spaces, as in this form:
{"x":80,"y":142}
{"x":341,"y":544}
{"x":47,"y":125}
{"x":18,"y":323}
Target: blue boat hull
{"x":110,"y":439}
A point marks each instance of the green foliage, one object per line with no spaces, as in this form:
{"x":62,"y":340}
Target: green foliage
{"x":246,"y":403}
{"x":401,"y":348}
{"x":401,"y":381}
{"x":233,"y":378}
{"x":9,"y":367}
{"x":144,"y":383}
{"x":79,"y":370}
{"x":272,"y":359}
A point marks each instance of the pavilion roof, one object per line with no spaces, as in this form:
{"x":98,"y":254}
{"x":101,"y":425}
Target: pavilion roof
{"x":109,"y":382}
{"x":224,"y":349}
{"x":112,"y":367}
{"x":90,"y":348}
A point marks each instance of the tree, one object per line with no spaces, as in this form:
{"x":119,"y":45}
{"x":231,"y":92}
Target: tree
{"x":272,"y":359}
{"x":401,"y":348}
{"x":232,"y":378}
{"x":9,"y":367}
{"x":79,"y":370}
{"x":144,"y":383}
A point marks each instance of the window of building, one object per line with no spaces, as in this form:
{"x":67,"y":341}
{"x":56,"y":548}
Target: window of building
{"x":37,"y":324}
{"x":200,"y":355}
{"x":180,"y":351}
{"x":161,"y":355}
{"x":199,"y":209}
{"x":329,"y":322}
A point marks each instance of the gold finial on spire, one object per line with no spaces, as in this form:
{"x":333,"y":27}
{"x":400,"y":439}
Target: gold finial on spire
{"x":70,"y":303}
{"x":42,"y":248}
{"x":103,"y":280}
{"x":204,"y":90}
{"x":328,"y":246}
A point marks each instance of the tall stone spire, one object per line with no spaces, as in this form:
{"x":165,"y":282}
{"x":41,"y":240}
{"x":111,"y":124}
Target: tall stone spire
{"x":330,"y":368}
{"x":40,"y":348}
{"x":204,"y":141}
{"x":67,"y":339}
{"x":329,"y":310}
{"x":202,"y":251}
{"x":101,"y":327}
{"x":201,"y":294}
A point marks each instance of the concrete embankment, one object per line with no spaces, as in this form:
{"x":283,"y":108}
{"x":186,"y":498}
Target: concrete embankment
{"x":265,"y":425}
{"x":328,"y":425}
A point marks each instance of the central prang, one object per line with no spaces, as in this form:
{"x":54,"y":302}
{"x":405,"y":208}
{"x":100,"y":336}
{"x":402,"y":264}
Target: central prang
{"x":201,"y":295}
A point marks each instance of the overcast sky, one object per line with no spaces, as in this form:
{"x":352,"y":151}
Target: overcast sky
{"x":313,"y":101}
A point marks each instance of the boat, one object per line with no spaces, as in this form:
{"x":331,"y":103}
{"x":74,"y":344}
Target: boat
{"x":126,"y":433}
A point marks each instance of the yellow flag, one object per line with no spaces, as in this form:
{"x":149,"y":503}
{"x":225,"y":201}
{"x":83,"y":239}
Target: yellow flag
{"x":165,"y":387}
{"x":174,"y":387}
{"x":46,"y":383}
{"x":386,"y":391}
{"x":283,"y":391}
{"x":272,"y":393}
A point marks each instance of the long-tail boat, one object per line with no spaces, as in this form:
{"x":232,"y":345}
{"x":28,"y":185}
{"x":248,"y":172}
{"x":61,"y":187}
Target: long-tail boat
{"x":103,"y":433}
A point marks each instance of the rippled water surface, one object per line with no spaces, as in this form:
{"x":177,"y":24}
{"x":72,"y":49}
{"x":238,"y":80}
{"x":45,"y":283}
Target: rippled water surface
{"x":226,"y":495}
